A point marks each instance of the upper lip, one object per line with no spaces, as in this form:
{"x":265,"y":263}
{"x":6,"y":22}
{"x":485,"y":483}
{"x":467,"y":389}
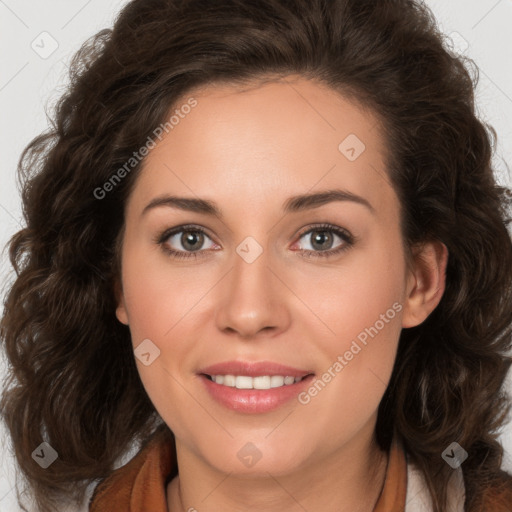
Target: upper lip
{"x":253,"y":369}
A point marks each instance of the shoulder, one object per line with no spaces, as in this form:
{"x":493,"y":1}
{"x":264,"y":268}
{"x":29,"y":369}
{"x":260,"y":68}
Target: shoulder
{"x":498,"y":496}
{"x":418,"y":495}
{"x":494,"y":497}
{"x":116,"y":487}
{"x":140,"y":483}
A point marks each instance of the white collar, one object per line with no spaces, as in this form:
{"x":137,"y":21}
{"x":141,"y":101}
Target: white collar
{"x":418,"y":498}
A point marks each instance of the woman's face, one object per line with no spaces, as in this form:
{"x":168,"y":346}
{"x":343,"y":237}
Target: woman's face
{"x":267,"y":282}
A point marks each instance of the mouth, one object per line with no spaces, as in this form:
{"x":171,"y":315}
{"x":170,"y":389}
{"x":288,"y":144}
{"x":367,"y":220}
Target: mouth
{"x":254,"y":387}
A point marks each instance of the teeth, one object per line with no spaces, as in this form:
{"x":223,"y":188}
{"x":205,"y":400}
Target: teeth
{"x":262,"y":382}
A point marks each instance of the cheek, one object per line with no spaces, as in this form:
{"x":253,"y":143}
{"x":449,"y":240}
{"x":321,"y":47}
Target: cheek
{"x":360,"y":309}
{"x":359,"y":293}
{"x":154,"y":299}
{"x":157,"y":303}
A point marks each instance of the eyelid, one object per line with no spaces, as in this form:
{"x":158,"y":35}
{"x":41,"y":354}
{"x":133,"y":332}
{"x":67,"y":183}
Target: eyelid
{"x":167,"y":233}
{"x":342,"y":232}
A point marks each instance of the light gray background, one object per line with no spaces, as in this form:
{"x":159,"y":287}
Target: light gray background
{"x":30,"y":79}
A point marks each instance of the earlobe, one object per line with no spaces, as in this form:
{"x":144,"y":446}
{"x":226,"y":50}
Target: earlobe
{"x":121,"y":313}
{"x":426,"y":284}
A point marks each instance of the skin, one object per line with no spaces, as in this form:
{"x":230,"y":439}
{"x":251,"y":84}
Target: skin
{"x":250,"y":150}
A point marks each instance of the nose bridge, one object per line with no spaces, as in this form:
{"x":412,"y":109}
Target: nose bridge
{"x":253,"y":298}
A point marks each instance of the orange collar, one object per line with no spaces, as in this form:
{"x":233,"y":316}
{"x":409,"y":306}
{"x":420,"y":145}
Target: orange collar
{"x":141,"y":484}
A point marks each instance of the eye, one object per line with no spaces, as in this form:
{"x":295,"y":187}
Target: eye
{"x":323,"y":239}
{"x":189,"y":241}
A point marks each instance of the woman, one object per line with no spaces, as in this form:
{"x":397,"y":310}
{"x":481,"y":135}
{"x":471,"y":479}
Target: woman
{"x":264,"y":242}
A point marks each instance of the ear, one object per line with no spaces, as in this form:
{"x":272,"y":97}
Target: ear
{"x":121,"y":312}
{"x":426,"y":282}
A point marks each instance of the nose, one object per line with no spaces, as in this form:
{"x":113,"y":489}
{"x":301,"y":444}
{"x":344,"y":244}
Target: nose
{"x":254,"y":300}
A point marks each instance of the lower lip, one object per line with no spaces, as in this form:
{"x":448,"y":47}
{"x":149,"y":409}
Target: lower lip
{"x":254,"y":400}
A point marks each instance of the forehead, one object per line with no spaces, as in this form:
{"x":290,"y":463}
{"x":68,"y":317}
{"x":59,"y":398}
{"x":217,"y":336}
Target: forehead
{"x":273,"y":139}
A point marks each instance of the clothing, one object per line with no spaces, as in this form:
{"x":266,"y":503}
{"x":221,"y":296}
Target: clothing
{"x":141,"y":484}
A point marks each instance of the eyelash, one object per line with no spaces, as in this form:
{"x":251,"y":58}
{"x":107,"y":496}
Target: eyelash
{"x":348,"y":239}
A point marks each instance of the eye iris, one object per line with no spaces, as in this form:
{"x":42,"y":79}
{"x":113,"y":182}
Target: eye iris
{"x":319,"y":237}
{"x":191,"y":237}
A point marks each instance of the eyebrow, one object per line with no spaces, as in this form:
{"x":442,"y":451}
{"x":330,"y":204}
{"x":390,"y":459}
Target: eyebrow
{"x":291,"y":205}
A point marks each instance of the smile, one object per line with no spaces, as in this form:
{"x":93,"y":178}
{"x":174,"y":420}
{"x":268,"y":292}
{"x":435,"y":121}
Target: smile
{"x":260,"y":382}
{"x":245,"y":396}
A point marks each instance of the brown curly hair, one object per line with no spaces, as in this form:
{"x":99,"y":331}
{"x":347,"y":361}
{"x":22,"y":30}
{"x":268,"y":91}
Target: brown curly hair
{"x":73,"y":381}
